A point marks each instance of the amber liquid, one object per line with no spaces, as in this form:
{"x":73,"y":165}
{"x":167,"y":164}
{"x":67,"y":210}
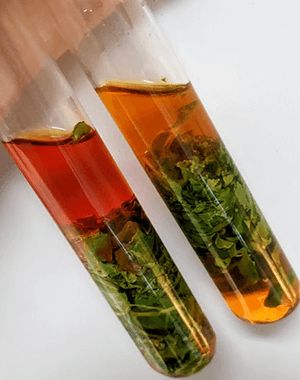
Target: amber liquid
{"x":151,"y":117}
{"x":92,"y":203}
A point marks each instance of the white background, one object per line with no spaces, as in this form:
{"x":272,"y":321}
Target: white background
{"x":243,"y":58}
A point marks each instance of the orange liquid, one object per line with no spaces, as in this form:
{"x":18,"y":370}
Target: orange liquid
{"x":144,"y":111}
{"x":152,"y":117}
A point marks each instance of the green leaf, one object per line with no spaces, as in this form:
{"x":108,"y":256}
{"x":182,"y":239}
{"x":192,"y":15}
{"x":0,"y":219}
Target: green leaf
{"x":185,"y":112}
{"x":144,"y":287}
{"x":100,"y":245}
{"x":177,"y":189}
{"x":222,"y":263}
{"x":214,"y":184}
{"x":128,"y":231}
{"x":80,"y":131}
{"x":219,"y":227}
{"x":239,"y":221}
{"x":223,"y":244}
{"x":292,"y":277}
{"x":247,"y":267}
{"x":274,"y":298}
{"x":205,"y":192}
{"x":262,"y":233}
{"x":228,"y":179}
{"x":241,"y":195}
{"x":200,"y":207}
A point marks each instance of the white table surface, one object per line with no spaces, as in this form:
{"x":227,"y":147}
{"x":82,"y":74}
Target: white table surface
{"x":243,"y":58}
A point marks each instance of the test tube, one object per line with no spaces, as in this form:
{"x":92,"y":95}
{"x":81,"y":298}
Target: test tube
{"x":141,"y":83}
{"x":61,"y":155}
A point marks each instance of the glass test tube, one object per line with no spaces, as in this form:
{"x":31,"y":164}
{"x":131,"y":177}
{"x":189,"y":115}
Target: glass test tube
{"x":66,"y":163}
{"x":141,"y":83}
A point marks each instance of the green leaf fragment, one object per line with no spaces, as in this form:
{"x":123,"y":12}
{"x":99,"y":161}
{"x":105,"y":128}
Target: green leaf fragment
{"x":241,"y":195}
{"x":137,"y":280}
{"x":247,"y":267}
{"x":80,"y":131}
{"x":100,"y":245}
{"x":185,"y":112}
{"x":262,"y":233}
{"x":292,"y":277}
{"x":274,"y":298}
{"x":211,"y":202}
{"x":223,"y":243}
{"x":222,"y":263}
{"x":228,"y":179}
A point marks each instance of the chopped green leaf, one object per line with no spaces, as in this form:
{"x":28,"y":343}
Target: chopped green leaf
{"x":262,"y":233}
{"x":80,"y":131}
{"x":131,"y":266}
{"x":241,"y":195}
{"x":207,"y":195}
{"x":185,"y":112}
{"x":100,"y":245}
{"x":274,"y":298}
{"x":223,"y":244}
{"x":248,"y":268}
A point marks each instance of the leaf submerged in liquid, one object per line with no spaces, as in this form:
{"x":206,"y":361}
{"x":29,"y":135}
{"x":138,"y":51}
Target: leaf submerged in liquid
{"x":200,"y":183}
{"x":132,"y":267}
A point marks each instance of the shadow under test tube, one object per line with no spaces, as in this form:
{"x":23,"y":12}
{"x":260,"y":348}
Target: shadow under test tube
{"x":68,"y":166}
{"x":142,"y":85}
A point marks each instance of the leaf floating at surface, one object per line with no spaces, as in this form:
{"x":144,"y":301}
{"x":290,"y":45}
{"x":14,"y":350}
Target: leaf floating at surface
{"x":81,"y":131}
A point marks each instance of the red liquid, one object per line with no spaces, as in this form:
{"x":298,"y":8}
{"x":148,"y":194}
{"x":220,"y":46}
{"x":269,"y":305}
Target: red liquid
{"x":92,"y":183}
